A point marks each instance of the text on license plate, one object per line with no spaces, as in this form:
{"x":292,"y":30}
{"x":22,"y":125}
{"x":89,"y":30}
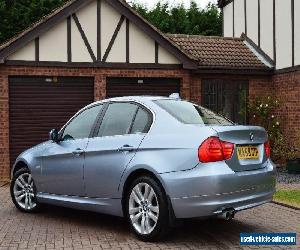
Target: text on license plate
{"x":247,"y":152}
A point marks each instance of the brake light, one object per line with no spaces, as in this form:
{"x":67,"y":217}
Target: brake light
{"x":267,"y":148}
{"x":213,"y":149}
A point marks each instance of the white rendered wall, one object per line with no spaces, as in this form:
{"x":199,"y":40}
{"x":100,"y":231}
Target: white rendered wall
{"x":141,"y":46}
{"x":283,"y":34}
{"x":53,"y":44}
{"x":164,"y":57}
{"x":228,"y":20}
{"x":266,"y":27}
{"x":27,"y":53}
{"x":239,"y":18}
{"x":79,"y":50}
{"x":252,"y":20}
{"x":88,"y":20}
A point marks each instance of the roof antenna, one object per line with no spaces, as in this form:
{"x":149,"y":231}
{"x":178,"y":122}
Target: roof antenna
{"x":175,"y":96}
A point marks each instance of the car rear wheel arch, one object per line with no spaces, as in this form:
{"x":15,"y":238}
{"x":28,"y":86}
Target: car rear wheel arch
{"x":134,"y":175}
{"x":165,"y":220}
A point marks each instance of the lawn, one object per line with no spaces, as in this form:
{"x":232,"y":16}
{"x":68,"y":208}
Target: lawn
{"x":289,"y":197}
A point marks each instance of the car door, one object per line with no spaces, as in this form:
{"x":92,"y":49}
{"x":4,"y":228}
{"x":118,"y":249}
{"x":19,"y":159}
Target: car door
{"x":63,"y":162}
{"x":122,"y":129}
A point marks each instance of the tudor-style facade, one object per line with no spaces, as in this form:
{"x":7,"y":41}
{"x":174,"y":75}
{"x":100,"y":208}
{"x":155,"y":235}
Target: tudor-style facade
{"x":68,"y":38}
{"x":93,"y":49}
{"x":273,"y":26}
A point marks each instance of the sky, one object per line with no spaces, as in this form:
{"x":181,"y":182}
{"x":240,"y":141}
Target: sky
{"x":151,"y":3}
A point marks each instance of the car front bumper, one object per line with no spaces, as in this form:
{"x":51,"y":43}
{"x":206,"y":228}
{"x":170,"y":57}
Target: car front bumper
{"x":210,"y":189}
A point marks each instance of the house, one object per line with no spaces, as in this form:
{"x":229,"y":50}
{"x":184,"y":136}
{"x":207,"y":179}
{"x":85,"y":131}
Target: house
{"x":273,"y":27}
{"x":93,"y":49}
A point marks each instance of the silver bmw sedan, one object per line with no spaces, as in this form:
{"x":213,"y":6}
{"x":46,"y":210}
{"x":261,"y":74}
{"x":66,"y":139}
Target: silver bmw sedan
{"x":153,"y":160}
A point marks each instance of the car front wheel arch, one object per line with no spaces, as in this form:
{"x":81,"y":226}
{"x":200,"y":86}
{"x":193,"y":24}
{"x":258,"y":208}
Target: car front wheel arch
{"x":18,"y":166}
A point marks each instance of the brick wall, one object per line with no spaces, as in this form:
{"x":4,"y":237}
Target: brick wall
{"x":287,"y":89}
{"x":196,"y":89}
{"x":260,"y":87}
{"x":4,"y":136}
{"x":99,"y":75}
{"x":286,"y":86}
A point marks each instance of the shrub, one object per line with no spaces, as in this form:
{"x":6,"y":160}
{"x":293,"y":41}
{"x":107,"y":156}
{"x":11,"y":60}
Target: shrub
{"x":263,"y":112}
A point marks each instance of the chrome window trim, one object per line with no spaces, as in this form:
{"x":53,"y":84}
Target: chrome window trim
{"x":150,"y":111}
{"x":61,"y":131}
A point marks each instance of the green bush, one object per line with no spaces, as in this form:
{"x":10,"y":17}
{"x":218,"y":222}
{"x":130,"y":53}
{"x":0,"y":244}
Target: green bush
{"x":263,"y":112}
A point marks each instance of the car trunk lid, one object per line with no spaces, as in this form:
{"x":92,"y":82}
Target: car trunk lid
{"x":248,"y":146}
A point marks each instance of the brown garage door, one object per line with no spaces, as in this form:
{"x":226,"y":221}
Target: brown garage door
{"x":141,"y":86}
{"x":39,"y":104}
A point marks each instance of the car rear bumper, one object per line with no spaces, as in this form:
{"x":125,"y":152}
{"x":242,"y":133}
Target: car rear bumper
{"x":209,"y":189}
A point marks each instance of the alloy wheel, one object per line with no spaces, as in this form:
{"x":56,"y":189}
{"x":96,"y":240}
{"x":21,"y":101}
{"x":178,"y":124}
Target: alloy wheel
{"x":143,"y":208}
{"x":23,"y":191}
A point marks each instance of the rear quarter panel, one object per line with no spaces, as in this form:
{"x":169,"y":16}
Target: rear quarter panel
{"x":172,"y":151}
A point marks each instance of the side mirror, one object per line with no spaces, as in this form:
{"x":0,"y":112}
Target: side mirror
{"x":53,"y":135}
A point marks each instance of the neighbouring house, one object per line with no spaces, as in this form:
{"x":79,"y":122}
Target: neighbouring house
{"x":93,"y":49}
{"x":273,"y":28}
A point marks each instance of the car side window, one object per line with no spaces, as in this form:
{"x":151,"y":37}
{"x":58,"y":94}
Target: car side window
{"x":117,"y":119}
{"x":80,"y":127}
{"x":142,"y":122}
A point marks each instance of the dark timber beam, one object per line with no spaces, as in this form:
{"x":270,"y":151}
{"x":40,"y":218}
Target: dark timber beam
{"x":293,"y":31}
{"x":98,"y":30}
{"x":93,"y":65}
{"x":127,"y":41}
{"x":156,"y":52}
{"x":188,"y":61}
{"x":258,"y":21}
{"x":67,"y":10}
{"x":233,"y":28}
{"x":112,"y":41}
{"x":274,"y":32}
{"x":69,"y":40}
{"x":37,"y":49}
{"x":245,"y":15}
{"x":86,"y":42}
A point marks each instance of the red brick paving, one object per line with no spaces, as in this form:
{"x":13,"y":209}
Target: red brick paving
{"x":61,"y":228}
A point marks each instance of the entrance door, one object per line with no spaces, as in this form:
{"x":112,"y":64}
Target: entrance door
{"x":63,"y":162}
{"x":122,"y":129}
{"x":226,"y":97}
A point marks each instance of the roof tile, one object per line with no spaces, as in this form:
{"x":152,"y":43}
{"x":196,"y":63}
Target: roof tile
{"x":218,"y":52}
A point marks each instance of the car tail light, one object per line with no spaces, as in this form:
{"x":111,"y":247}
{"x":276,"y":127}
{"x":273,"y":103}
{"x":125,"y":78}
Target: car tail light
{"x":267,"y":148}
{"x":213,"y":149}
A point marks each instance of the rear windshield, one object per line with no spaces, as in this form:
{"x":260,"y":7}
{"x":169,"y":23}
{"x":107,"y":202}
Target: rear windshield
{"x":190,"y":113}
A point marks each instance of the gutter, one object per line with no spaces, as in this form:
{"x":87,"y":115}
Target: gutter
{"x":235,"y":71}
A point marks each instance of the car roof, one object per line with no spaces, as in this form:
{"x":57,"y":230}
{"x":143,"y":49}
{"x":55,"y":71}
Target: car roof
{"x":143,"y":99}
{"x":137,"y":98}
{"x":140,"y":99}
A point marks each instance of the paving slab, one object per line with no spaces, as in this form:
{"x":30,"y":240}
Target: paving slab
{"x":62,"y":228}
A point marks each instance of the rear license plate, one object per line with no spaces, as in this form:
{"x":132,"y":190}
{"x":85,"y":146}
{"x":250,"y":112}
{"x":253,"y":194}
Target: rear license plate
{"x":247,"y":152}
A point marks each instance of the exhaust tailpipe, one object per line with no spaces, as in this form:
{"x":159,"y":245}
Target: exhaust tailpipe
{"x":227,"y":214}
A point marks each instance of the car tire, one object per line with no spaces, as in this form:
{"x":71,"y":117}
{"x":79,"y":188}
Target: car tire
{"x":23,"y":191}
{"x":147,"y":209}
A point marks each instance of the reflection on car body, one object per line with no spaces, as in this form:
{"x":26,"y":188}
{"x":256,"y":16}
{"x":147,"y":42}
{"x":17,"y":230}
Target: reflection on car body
{"x":149,"y":159}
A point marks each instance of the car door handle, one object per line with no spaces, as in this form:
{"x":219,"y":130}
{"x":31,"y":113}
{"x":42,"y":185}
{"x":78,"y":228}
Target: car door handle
{"x":78,"y":152}
{"x":125,"y":148}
